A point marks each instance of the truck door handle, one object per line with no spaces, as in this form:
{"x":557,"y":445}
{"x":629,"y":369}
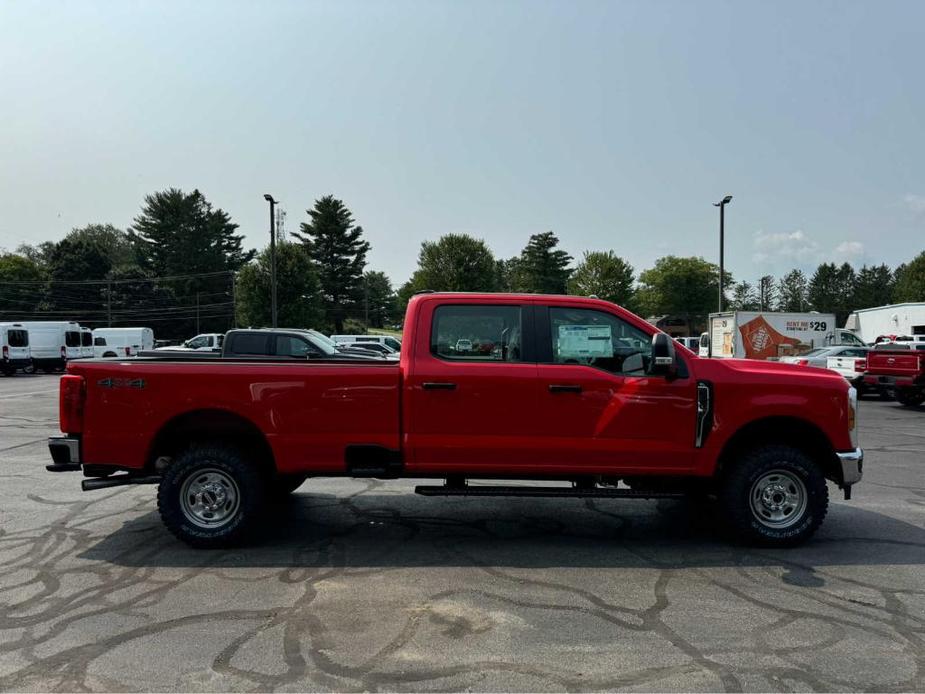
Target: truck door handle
{"x":560,"y":388}
{"x":430,"y":385}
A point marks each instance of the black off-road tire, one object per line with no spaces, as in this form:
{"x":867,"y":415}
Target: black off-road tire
{"x":219,"y":468}
{"x":794,"y":471}
{"x":283,"y":485}
{"x":910,"y":397}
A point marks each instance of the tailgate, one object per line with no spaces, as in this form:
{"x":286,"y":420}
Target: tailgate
{"x":893,"y":363}
{"x":843,"y":365}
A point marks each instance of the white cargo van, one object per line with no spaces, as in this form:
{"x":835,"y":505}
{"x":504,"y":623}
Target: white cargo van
{"x":14,"y":348}
{"x":121,"y":342}
{"x":52,"y":343}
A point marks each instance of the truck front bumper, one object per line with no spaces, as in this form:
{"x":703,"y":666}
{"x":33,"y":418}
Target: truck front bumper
{"x":852,"y":466}
{"x":65,"y":452}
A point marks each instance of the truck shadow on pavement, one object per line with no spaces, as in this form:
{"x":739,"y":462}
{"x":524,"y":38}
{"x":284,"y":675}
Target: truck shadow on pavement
{"x":396,"y":529}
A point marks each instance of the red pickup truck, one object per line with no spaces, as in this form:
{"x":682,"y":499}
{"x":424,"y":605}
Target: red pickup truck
{"x":574,"y":392}
{"x":899,"y":366}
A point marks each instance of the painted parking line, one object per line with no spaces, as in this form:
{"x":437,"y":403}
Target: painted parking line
{"x":31,"y":392}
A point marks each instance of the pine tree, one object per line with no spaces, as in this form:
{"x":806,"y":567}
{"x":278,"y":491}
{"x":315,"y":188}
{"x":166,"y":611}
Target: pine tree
{"x":181,"y":234}
{"x":874,"y":287}
{"x":744,"y":297}
{"x":791,"y":292}
{"x":543,"y":269}
{"x":831,"y":289}
{"x":379,"y":298}
{"x":767,"y":293}
{"x":338,"y":250}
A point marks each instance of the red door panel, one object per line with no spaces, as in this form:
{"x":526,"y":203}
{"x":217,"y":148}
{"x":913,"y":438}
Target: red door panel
{"x":616,"y":423}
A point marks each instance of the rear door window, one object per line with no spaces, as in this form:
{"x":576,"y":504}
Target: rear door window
{"x":86,"y":339}
{"x":477,"y":333}
{"x":72,"y":338}
{"x":255,"y":344}
{"x":18,"y":338}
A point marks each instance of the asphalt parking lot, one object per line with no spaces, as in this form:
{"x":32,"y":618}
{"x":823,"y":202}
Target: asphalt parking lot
{"x":366,"y":586}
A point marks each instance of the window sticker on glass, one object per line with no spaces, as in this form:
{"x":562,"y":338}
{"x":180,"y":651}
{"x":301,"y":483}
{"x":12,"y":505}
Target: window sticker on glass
{"x":585,"y":341}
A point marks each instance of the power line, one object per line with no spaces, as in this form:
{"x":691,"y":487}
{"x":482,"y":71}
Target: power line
{"x":167,"y":278}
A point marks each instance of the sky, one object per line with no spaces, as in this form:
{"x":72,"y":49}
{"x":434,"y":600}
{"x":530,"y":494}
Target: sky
{"x":614,"y":124}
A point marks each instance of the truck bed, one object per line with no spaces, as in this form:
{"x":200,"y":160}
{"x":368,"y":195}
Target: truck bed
{"x":309,"y":411}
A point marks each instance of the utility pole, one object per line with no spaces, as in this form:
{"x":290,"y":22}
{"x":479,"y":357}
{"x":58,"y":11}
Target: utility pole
{"x":109,"y":303}
{"x":197,"y":313}
{"x":273,"y":204}
{"x":234,"y":299}
{"x":722,"y":209}
{"x":366,"y":300}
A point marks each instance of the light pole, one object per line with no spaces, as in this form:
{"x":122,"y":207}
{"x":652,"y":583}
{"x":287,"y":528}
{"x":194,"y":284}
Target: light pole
{"x":722,"y":209}
{"x":273,"y":204}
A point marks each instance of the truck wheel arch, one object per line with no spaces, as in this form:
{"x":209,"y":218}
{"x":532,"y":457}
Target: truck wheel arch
{"x":211,"y":425}
{"x":791,"y":431}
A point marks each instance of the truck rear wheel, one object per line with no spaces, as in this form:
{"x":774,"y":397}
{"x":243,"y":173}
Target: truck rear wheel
{"x":910,"y":397}
{"x":775,"y":496}
{"x":211,"y":497}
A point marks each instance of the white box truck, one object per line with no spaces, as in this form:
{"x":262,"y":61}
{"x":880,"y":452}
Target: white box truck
{"x":769,"y":335}
{"x":121,"y":342}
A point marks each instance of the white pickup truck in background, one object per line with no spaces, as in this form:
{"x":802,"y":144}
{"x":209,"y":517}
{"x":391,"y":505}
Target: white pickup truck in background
{"x":847,"y":364}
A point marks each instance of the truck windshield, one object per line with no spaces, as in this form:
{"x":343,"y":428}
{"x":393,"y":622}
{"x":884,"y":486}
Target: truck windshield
{"x":323,"y":342}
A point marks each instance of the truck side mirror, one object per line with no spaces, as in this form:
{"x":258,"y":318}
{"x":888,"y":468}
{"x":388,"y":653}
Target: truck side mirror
{"x":663,"y":361}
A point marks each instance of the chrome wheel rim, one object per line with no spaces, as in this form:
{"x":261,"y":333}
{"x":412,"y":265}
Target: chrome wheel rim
{"x":778,"y":499}
{"x":210,"y":498}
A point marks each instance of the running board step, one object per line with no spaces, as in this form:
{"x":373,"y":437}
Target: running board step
{"x":595,"y":492}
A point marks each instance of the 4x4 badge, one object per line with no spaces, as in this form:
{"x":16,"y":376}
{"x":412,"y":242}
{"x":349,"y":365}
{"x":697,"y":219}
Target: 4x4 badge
{"x":121,"y":383}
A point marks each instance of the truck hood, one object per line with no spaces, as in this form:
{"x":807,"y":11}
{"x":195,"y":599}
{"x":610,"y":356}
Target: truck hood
{"x":761,"y":370}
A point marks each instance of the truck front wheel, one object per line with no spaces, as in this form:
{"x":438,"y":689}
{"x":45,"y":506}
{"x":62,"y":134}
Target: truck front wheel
{"x":211,"y":497}
{"x":910,"y":397}
{"x":775,"y":496}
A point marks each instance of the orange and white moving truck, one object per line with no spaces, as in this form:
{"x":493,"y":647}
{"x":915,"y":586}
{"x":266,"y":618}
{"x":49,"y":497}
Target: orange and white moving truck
{"x":771,"y":335}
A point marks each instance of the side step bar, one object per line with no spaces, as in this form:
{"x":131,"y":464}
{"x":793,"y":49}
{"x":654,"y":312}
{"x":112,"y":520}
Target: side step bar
{"x":117,"y":481}
{"x":594,"y":492}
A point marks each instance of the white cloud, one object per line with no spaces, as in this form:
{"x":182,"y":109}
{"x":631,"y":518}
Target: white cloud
{"x":798,"y":249}
{"x":914,"y":202}
{"x":849,"y":250}
{"x":793,"y":246}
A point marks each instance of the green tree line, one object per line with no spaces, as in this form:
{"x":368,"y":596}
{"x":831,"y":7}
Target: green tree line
{"x":182,"y":266}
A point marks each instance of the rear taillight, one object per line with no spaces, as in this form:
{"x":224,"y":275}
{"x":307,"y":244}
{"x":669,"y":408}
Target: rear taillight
{"x":860,"y":366}
{"x":71,"y":404}
{"x":6,"y":352}
{"x":802,"y":362}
